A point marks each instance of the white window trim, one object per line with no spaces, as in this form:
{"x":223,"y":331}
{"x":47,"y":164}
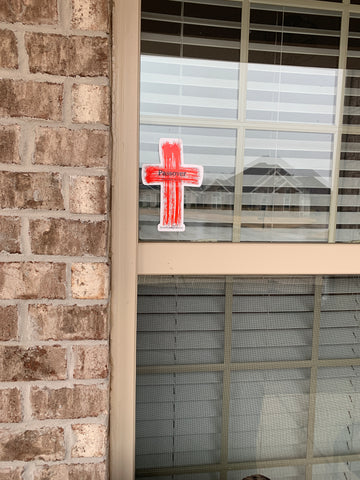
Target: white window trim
{"x":130,"y":258}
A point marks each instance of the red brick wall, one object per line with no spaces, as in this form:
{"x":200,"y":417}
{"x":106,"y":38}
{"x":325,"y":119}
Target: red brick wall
{"x":54,"y":270}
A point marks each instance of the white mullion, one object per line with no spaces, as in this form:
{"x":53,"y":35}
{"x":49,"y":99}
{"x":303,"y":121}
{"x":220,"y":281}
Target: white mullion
{"x":338,"y":122}
{"x":313,"y":378}
{"x":258,"y":464}
{"x":226,"y":376}
{"x":240,"y":141}
{"x":224,"y":123}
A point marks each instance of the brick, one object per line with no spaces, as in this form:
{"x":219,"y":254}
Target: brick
{"x":31,"y":190}
{"x":90,"y":104}
{"x":42,"y":444}
{"x":11,"y":473}
{"x":8,"y":323}
{"x":88,"y":195}
{"x":70,"y":56}
{"x":31,"y":99}
{"x":10,"y":405}
{"x":90,"y":15}
{"x":8,"y":49}
{"x":85,"y":471}
{"x":10,"y":235}
{"x":91,"y":361}
{"x":90,"y":280}
{"x":80,"y":401}
{"x":28,"y":11}
{"x":9,"y":144}
{"x":59,"y":236}
{"x":72,"y":148}
{"x":34,"y":363}
{"x":32,"y":280}
{"x":89,"y":440}
{"x":63,"y":322}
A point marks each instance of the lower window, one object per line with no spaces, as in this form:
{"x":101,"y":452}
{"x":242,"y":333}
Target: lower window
{"x":245,"y":375}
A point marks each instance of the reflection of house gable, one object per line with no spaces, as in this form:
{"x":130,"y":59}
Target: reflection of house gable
{"x":264,"y":187}
{"x":275,"y":187}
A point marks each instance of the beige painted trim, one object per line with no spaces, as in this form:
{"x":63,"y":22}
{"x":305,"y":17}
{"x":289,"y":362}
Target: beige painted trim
{"x":248,"y":259}
{"x":125,"y":90}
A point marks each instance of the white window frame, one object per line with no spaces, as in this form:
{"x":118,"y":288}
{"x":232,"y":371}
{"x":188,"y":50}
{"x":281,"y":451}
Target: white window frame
{"x":131,"y":258}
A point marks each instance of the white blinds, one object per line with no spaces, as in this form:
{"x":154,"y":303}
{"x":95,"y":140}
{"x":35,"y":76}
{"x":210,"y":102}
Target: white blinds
{"x":216,"y":379}
{"x":268,"y":414}
{"x":178,"y":419}
{"x":208,"y":209}
{"x":278,"y":183}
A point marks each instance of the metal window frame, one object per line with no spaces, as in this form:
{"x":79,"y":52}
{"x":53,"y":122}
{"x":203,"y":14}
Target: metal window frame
{"x":131,"y":258}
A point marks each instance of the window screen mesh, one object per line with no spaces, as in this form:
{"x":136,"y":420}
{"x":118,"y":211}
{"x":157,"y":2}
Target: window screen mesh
{"x":240,"y":370}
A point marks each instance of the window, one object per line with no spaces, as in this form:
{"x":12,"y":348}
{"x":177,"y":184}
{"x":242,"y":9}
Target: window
{"x":326,"y":363}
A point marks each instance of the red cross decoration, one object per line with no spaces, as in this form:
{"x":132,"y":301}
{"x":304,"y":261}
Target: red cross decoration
{"x":172,"y":175}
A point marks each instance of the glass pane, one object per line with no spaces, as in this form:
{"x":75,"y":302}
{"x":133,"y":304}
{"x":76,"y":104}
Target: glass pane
{"x":336,"y":471}
{"x":294,"y":36}
{"x":352,"y":95}
{"x":337,"y":422}
{"x":348,"y":211}
{"x":282,"y":93}
{"x":181,"y":321}
{"x":178,"y":419}
{"x":268,"y":414}
{"x":340,"y":318}
{"x":286,"y":186}
{"x":279,"y":473}
{"x":208,"y":210}
{"x":272,"y":319}
{"x":188,"y":87}
{"x":293,"y":56}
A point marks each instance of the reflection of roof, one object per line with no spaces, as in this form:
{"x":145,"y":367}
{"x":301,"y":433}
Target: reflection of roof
{"x":264,"y":177}
{"x":274,"y":177}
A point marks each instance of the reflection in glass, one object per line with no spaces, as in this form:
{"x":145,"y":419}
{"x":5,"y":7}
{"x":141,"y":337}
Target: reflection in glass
{"x":261,"y":182}
{"x":268,"y":414}
{"x":337,"y":422}
{"x":279,"y":93}
{"x":286,"y":186}
{"x":348,"y":211}
{"x":178,"y":419}
{"x":208,"y":209}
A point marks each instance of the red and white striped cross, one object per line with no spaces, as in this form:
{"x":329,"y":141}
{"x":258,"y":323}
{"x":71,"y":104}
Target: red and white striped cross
{"x":173,"y":176}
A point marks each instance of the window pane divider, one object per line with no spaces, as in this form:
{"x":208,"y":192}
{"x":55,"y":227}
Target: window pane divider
{"x":247,"y":259}
{"x":313,"y":376}
{"x":226,"y":374}
{"x":240,"y":141}
{"x":247,"y":465}
{"x":338,"y":122}
{"x":223,"y":123}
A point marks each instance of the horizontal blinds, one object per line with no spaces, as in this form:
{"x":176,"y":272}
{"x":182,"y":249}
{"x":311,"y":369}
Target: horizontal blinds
{"x":340,"y":318}
{"x":286,"y":186}
{"x":337,"y":423}
{"x":294,"y":36}
{"x":209,"y":29}
{"x":293,"y":57}
{"x":208,"y":210}
{"x":178,"y":419}
{"x":282,"y":93}
{"x":268,"y":414}
{"x":181,"y":323}
{"x":352,"y":97}
{"x":280,"y":473}
{"x":175,"y":86}
{"x":348,"y":210}
{"x":272,"y":321}
{"x":336,"y":471}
